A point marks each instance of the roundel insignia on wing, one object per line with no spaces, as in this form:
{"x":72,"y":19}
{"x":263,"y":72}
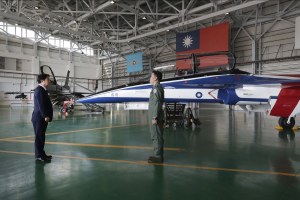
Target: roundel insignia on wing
{"x":198,"y":95}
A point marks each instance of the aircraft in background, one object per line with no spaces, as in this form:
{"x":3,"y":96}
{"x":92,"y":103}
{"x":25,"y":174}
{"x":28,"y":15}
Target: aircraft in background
{"x":58,"y":94}
{"x":20,"y":95}
{"x":279,"y":95}
{"x":62,"y":94}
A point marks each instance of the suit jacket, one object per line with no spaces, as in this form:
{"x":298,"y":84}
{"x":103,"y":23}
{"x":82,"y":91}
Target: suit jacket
{"x":42,"y":105}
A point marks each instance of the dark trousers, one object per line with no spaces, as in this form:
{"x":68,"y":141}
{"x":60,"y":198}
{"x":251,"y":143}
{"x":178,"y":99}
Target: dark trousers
{"x":39,"y":127}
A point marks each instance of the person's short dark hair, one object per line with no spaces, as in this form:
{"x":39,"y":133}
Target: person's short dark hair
{"x":42,"y":77}
{"x":158,"y":74}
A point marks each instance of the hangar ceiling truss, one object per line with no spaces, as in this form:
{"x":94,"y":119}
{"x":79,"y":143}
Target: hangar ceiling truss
{"x":119,"y":27}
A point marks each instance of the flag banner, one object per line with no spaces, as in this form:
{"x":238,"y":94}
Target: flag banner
{"x":134,"y":62}
{"x":214,"y":38}
{"x":184,"y":64}
{"x":210,"y":61}
{"x":206,"y":40}
{"x":187,"y":41}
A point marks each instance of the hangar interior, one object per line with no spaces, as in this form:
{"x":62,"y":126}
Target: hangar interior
{"x":232,"y":155}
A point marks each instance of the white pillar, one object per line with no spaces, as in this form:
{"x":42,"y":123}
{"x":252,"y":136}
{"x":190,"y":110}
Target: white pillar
{"x":71,"y":68}
{"x":99,"y":70}
{"x":35,"y":65}
{"x":99,"y":75}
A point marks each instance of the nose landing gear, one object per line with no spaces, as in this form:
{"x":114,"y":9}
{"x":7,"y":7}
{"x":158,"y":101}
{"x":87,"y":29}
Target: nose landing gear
{"x":284,"y":122}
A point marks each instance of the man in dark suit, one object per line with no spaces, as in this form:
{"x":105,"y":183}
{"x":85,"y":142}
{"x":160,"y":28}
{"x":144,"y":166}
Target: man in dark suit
{"x":42,"y":114}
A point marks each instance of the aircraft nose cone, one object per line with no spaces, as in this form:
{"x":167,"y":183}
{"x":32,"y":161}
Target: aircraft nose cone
{"x":80,"y":101}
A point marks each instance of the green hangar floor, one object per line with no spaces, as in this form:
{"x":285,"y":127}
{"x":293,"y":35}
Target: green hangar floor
{"x":233,"y":155}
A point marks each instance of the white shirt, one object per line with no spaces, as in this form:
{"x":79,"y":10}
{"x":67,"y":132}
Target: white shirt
{"x":42,"y":86}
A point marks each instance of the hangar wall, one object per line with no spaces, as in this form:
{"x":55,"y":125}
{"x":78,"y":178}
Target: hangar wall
{"x":20,"y":65}
{"x":270,"y":41}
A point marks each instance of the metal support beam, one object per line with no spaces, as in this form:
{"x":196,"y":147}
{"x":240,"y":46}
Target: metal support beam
{"x":167,"y":19}
{"x":65,"y":30}
{"x":208,"y":16}
{"x":188,"y":7}
{"x":126,"y":21}
{"x":105,"y":5}
{"x":66,"y":5}
{"x":171,"y":5}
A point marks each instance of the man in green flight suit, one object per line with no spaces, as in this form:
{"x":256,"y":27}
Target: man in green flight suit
{"x":156,"y":117}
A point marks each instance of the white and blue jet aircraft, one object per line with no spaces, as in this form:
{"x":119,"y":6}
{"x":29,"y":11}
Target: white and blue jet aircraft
{"x":279,"y":95}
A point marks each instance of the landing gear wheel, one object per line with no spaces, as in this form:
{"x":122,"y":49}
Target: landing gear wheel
{"x":187,"y":122}
{"x":166,"y":123}
{"x":62,"y":110}
{"x":284,"y":124}
{"x":188,"y":118}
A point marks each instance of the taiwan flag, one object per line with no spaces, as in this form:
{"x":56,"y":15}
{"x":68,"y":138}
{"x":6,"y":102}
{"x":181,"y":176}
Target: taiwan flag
{"x":206,"y":40}
{"x":188,"y":42}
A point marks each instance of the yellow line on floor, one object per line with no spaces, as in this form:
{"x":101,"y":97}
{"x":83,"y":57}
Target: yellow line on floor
{"x":94,"y":145}
{"x":60,"y":120}
{"x":165,"y":165}
{"x":16,"y":152}
{"x":73,"y":131}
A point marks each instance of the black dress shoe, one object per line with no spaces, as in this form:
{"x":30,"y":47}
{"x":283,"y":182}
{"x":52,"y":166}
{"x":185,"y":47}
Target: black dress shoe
{"x":153,"y":159}
{"x":48,"y":157}
{"x":42,"y":159}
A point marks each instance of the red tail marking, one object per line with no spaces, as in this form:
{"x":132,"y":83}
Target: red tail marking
{"x":286,"y":102}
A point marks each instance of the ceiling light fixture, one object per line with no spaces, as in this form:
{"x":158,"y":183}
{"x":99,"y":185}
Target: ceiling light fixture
{"x":144,"y":17}
{"x":36,"y":7}
{"x":112,"y":2}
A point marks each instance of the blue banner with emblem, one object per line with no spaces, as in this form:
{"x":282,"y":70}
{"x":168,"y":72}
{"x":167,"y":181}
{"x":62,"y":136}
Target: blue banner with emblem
{"x":134,"y":62}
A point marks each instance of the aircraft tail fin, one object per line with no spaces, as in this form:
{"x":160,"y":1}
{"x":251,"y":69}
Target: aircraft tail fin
{"x":66,"y":86}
